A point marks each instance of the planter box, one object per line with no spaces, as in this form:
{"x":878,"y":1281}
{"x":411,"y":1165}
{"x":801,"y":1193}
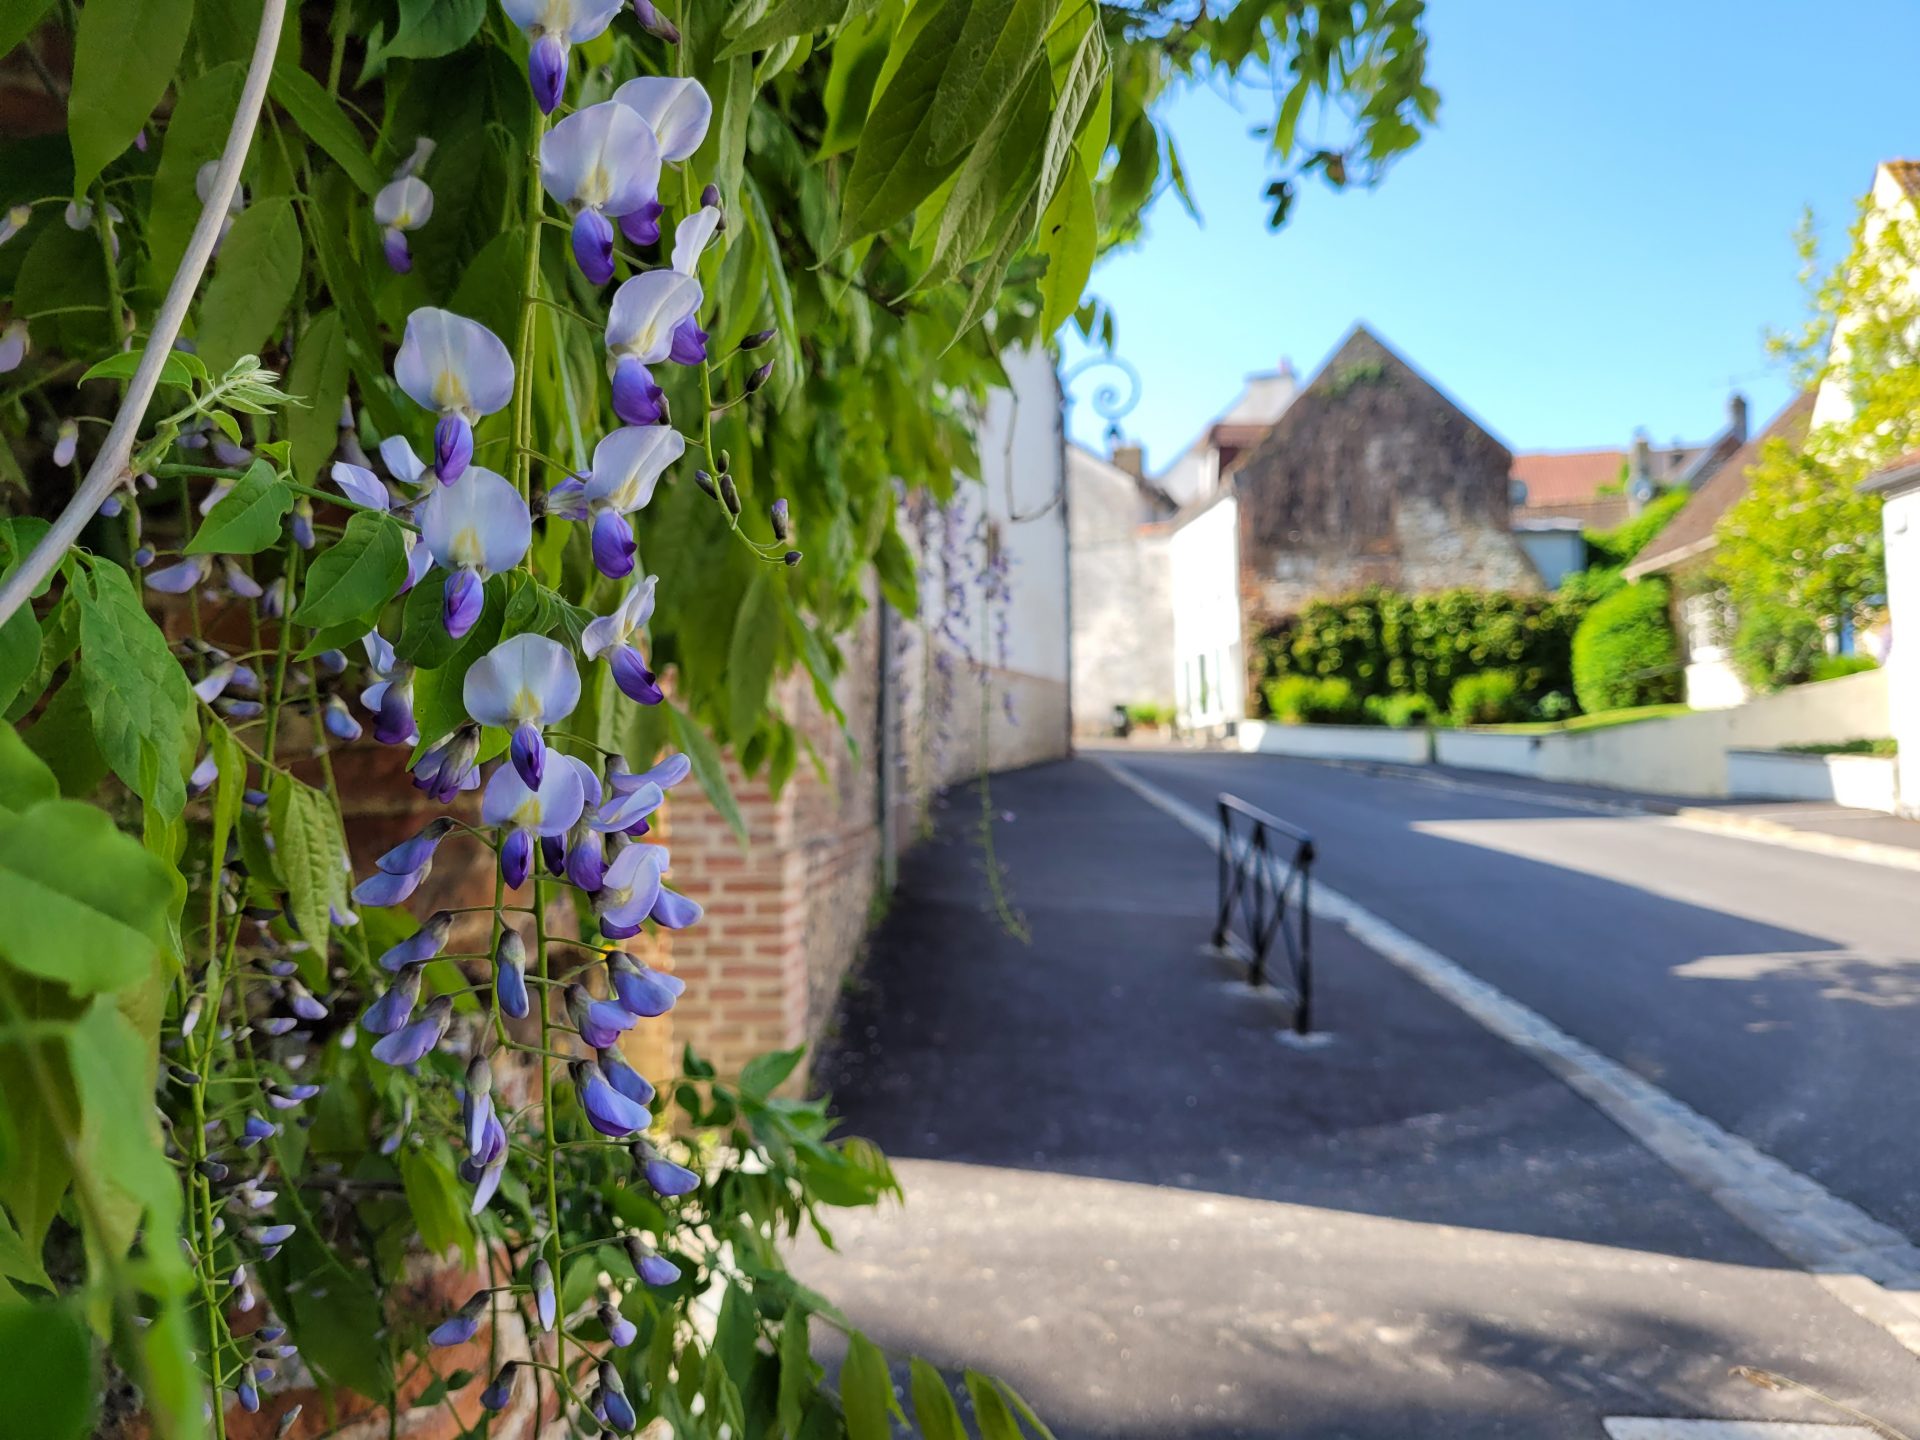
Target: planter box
{"x":1489,"y":750}
{"x":1335,"y":742}
{"x":1862,"y":782}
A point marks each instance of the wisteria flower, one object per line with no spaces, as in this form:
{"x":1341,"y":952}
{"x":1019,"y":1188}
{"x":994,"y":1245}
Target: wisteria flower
{"x":411,"y":1042}
{"x":395,"y":1007}
{"x":554,"y":27}
{"x":621,"y":1332}
{"x":600,"y":1023}
{"x":465,"y":1324}
{"x":678,"y":112}
{"x":611,"y":637}
{"x":66,"y":443}
{"x":404,"y":205}
{"x":652,"y":1268}
{"x":631,"y":886}
{"x":450,"y":766}
{"x":473,"y":528}
{"x":478,"y":1102}
{"x":627,"y":467}
{"x":487,"y":1165}
{"x":421,"y":946}
{"x":457,"y":367}
{"x":649,"y":314}
{"x":398,"y":873}
{"x":607,"y":1110}
{"x":13,"y":345}
{"x":14,"y":221}
{"x":644,"y":991}
{"x":546,"y":1304}
{"x":674,"y":911}
{"x":499,"y":1394}
{"x":510,"y":974}
{"x":522,"y":684}
{"x":601,"y":163}
{"x":692,"y":236}
{"x":549,"y":809}
{"x":624,"y":1078}
{"x":664,"y":1176}
{"x":180,"y":577}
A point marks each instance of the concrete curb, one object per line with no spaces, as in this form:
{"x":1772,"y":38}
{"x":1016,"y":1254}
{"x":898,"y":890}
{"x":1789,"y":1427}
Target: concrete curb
{"x":1869,"y":1266}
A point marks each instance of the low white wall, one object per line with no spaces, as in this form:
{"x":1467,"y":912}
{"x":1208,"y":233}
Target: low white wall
{"x":1488,"y":750}
{"x":1683,"y":754}
{"x":1864,"y":782}
{"x":1335,"y":742}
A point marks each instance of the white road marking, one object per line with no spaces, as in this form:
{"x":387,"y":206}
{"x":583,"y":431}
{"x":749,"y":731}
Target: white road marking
{"x":1621,"y":1427}
{"x":1870,"y":1267}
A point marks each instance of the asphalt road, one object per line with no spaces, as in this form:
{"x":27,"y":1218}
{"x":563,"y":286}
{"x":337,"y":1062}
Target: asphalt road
{"x":1129,"y":1198}
{"x":1775,"y":990}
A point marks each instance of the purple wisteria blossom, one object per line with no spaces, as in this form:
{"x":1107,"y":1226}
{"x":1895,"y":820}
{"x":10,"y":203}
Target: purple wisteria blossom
{"x":458,"y":368}
{"x":600,"y":163}
{"x":653,"y":316}
{"x":549,"y":809}
{"x":524,"y":683}
{"x":475,"y":527}
{"x":412,"y":1041}
{"x":627,"y":467}
{"x":554,"y":27}
{"x":610,"y":637}
{"x":403,"y":205}
{"x":678,"y":112}
{"x":628,"y":893}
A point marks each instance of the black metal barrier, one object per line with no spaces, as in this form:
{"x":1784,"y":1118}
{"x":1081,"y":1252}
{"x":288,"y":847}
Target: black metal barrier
{"x":1266,"y":877}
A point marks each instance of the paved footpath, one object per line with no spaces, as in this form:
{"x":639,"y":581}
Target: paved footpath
{"x":1127,"y":1195}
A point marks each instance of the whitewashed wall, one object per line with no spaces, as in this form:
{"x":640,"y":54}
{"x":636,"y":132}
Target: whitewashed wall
{"x":1209,"y":673}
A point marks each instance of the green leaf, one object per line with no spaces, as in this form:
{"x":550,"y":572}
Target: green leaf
{"x":19,"y":19}
{"x":997,"y":177}
{"x":708,"y":768}
{"x":247,"y":519}
{"x":25,"y":779}
{"x":990,"y":1410}
{"x":319,"y":380}
{"x":893,"y":562}
{"x":49,"y":1374}
{"x":764,"y":1074}
{"x":123,"y":60}
{"x":1068,"y":238}
{"x":859,"y":56}
{"x":866,"y":1390}
{"x":310,"y":852}
{"x":253,"y":283}
{"x":229,"y":789}
{"x":436,"y":1201}
{"x":63,"y":738}
{"x":1086,"y":72}
{"x":1013,"y":1398}
{"x":428,"y":29}
{"x":119,"y":1154}
{"x":195,"y":134}
{"x":18,"y":1261}
{"x":86,"y":905}
{"x":362,"y":570}
{"x":935,"y":1415}
{"x":176,"y":369}
{"x":19,"y":652}
{"x":319,"y":115}
{"x":750,"y":655}
{"x":787,"y":18}
{"x":893,"y":168}
{"x":997,"y":46}
{"x":796,"y":1370}
{"x":145,"y":717}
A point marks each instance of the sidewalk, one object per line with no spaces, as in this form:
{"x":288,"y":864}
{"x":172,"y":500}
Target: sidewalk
{"x":1128,"y":1197}
{"x":1818,"y":825}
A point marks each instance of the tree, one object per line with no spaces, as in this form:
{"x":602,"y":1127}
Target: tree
{"x":1801,"y":553}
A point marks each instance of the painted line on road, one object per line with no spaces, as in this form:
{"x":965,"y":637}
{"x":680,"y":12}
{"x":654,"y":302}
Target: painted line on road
{"x":1870,"y":1267}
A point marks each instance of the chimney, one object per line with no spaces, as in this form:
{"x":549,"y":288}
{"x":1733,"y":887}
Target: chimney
{"x":1128,"y":458}
{"x":1640,"y":486}
{"x":1286,"y":368}
{"x":1737,"y":416}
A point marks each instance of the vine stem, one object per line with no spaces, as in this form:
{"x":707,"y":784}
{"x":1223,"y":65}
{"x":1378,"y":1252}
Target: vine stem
{"x":110,"y":465}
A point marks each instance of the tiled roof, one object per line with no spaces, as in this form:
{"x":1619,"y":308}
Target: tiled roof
{"x":1601,"y":513}
{"x":1907,"y":172}
{"x":1894,"y":474}
{"x":1566,"y":477}
{"x":1690,"y":532}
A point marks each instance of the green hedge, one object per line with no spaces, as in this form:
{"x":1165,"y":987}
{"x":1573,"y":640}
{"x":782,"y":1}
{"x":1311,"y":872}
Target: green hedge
{"x":1624,"y":652}
{"x":1491,"y":697}
{"x":1310,"y":700}
{"x":1383,"y":643}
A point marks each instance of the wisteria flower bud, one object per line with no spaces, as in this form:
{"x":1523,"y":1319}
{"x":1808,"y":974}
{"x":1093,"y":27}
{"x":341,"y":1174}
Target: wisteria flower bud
{"x":395,"y":1007}
{"x":759,"y":338}
{"x":790,"y":559}
{"x":510,"y":973}
{"x":13,"y":346}
{"x":705,"y":482}
{"x":339,"y":720}
{"x":730,"y":495}
{"x":547,"y":70}
{"x":463,"y":602}
{"x":759,"y":377}
{"x":452,"y":447}
{"x":479,"y":1102}
{"x":653,"y":22}
{"x":545,"y":1303}
{"x":777,"y":513}
{"x":593,"y":246}
{"x":14,"y":221}
{"x":614,"y":1404}
{"x":710,"y":195}
{"x":637,"y":400}
{"x":613,"y":544}
{"x":621,"y":1332}
{"x":411,"y":1042}
{"x":67,"y":443}
{"x":499,"y":1395}
{"x":463,"y":1325}
{"x":669,"y":1179}
{"x":425,"y":943}
{"x":652,"y":1268}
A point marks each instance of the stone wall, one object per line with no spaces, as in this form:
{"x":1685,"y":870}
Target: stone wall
{"x":1373,"y":477}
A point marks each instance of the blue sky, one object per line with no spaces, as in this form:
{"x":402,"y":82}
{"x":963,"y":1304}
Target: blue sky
{"x":1594,"y":238}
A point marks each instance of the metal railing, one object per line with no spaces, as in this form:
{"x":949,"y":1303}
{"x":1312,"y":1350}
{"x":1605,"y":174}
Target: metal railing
{"x":1266,"y":879}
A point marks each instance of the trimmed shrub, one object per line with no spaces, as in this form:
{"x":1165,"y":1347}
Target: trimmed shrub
{"x":1832,"y":667}
{"x":1774,"y":645}
{"x":1152,"y":712}
{"x":1491,"y":697}
{"x":1314,"y":700}
{"x":1624,"y":653}
{"x":1400,"y":711}
{"x":1385,"y":643}
{"x":1627,"y":539}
